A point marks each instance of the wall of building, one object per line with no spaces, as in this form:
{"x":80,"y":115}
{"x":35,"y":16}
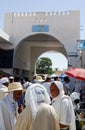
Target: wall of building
{"x":63,"y":26}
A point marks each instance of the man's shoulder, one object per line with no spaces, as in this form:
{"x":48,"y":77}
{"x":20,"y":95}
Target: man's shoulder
{"x":65,"y":98}
{"x":66,"y":101}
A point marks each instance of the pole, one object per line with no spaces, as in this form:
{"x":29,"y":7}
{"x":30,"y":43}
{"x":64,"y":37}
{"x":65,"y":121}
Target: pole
{"x":81,"y":56}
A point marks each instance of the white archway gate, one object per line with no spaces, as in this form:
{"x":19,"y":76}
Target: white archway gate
{"x":30,"y":49}
{"x":33,"y":33}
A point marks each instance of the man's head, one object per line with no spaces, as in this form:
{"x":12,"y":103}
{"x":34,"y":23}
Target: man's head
{"x":16,"y":89}
{"x":38,"y":79}
{"x":17,"y":94}
{"x":66,"y":79}
{"x":11,"y":79}
{"x":48,"y":79}
{"x":75,"y":97}
{"x":56,"y":88}
{"x":35,"y":95}
{"x":4,"y":81}
{"x":56,"y":78}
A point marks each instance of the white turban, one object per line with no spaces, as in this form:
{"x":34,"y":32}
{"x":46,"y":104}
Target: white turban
{"x":35,"y":95}
{"x":75,"y":96}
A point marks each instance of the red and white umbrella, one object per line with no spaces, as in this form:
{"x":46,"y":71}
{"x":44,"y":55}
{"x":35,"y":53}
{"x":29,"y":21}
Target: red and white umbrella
{"x":78,"y":73}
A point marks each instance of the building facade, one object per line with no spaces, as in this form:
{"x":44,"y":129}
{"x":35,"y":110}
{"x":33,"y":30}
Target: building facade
{"x":35,"y":33}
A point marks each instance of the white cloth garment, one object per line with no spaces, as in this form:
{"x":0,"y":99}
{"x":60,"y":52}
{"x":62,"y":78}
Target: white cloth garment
{"x":47,"y":86}
{"x":75,"y":96}
{"x":3,"y":89}
{"x":64,"y":108}
{"x":46,"y":118}
{"x":5,"y":122}
{"x":12,"y":108}
{"x":35,"y":95}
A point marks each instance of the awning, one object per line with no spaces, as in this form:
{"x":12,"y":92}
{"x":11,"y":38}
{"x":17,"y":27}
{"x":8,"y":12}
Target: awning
{"x":4,"y":37}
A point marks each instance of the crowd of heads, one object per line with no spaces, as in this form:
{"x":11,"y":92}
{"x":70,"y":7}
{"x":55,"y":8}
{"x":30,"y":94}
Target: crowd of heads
{"x":34,"y":92}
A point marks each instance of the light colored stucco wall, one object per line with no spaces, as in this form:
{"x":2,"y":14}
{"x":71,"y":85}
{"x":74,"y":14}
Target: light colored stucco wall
{"x":64,"y":26}
{"x":24,"y":53}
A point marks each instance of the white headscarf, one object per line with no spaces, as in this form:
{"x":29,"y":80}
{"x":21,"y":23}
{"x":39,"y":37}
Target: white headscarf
{"x":75,"y":96}
{"x":59,"y":85}
{"x":35,"y":95}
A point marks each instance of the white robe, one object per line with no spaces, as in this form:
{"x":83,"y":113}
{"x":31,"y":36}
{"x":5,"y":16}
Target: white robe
{"x":64,"y":110}
{"x":35,"y":95}
{"x":3,"y":89}
{"x":5,"y":122}
{"x":47,"y":86}
{"x":24,"y":120}
{"x":12,"y":108}
{"x":46,"y":118}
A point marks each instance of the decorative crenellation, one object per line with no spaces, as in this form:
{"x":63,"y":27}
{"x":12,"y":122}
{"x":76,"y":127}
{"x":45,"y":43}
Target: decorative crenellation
{"x":42,"y":13}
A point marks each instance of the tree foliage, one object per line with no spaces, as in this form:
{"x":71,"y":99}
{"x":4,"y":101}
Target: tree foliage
{"x":44,"y":66}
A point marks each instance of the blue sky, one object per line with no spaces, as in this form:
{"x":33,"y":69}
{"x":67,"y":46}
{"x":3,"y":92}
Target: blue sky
{"x":44,"y":6}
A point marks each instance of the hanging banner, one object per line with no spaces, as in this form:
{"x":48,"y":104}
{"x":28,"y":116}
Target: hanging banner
{"x":81,"y":45}
{"x":40,"y":28}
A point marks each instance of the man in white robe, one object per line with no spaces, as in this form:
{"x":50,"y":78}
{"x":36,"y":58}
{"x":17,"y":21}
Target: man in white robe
{"x":36,"y":95}
{"x":63,"y":106}
{"x":9,"y":104}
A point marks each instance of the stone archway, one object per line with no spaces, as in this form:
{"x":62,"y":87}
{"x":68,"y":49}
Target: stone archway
{"x":30,"y":48}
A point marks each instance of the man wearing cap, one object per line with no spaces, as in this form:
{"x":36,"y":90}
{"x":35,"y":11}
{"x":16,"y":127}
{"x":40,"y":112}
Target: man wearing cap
{"x":4,"y":81}
{"x":38,"y":79}
{"x":63,"y":106}
{"x":11,"y":79}
{"x":10,"y":102}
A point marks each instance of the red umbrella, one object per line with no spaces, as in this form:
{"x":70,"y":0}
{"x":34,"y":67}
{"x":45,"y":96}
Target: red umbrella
{"x":78,"y":73}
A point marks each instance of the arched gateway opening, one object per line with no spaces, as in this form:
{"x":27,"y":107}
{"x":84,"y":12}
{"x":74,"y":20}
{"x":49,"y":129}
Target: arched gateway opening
{"x":30,"y":48}
{"x":59,"y":61}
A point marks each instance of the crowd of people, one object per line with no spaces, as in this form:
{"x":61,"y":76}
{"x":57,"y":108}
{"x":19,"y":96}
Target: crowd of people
{"x":39,"y":104}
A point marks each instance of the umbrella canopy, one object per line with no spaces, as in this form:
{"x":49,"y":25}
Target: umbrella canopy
{"x":78,"y":73}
